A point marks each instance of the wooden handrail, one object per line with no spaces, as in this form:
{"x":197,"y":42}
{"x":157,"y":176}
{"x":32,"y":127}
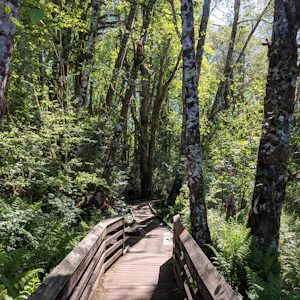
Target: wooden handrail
{"x":195,"y":275}
{"x":77,"y":276}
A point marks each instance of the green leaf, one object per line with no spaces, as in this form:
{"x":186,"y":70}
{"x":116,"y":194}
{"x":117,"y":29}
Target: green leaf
{"x":15,"y":21}
{"x":36,"y":15}
{"x":273,"y":101}
{"x":7,"y":9}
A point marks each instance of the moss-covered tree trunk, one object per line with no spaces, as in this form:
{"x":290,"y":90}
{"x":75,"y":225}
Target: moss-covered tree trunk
{"x":279,"y":102}
{"x":7,"y":33}
{"x":200,"y":230}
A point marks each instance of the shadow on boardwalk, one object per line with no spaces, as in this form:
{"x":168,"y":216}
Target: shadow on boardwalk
{"x":145,"y":272}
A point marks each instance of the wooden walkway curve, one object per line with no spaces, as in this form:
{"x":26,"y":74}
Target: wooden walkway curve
{"x":145,"y":272}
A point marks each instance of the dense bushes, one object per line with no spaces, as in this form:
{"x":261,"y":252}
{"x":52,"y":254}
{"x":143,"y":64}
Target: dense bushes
{"x":45,"y":176}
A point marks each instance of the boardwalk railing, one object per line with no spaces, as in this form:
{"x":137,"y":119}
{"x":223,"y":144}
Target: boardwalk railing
{"x":79,"y":273}
{"x":195,"y":275}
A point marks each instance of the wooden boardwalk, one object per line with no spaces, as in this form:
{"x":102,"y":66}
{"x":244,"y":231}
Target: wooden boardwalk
{"x":145,"y":272}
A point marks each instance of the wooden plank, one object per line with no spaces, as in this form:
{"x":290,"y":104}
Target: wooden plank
{"x":87,"y":274}
{"x":114,"y":237}
{"x":74,"y":279}
{"x":113,"y":248}
{"x":113,"y":226}
{"x":211,"y":284}
{"x":60,"y":283}
{"x":178,"y":227}
{"x":194,"y":290}
{"x":96,"y":276}
{"x":187,"y":291}
{"x":95,"y":285}
{"x":113,"y":259}
{"x":89,"y":289}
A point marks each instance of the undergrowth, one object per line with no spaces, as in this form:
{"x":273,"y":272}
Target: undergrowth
{"x":272,"y":276}
{"x":32,"y":242}
{"x":46,"y":170}
{"x":251,"y":275}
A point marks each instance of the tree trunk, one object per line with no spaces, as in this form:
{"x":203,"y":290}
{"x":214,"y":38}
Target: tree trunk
{"x":279,"y":102}
{"x":101,"y":192}
{"x":90,"y":53}
{"x":200,"y":230}
{"x":202,"y":35}
{"x":7,"y":34}
{"x":221,"y":98}
{"x":180,"y":172}
{"x":121,"y":55}
{"x":146,"y":176}
{"x":147,"y":153}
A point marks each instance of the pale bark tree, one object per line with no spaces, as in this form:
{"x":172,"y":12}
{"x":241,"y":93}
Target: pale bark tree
{"x":200,"y":230}
{"x":8,"y":10}
{"x":279,"y":102}
{"x":180,"y":176}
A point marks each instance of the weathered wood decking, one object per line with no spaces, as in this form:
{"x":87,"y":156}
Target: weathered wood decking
{"x":145,"y":272}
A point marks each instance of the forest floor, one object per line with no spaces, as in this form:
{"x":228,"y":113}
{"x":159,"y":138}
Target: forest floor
{"x":145,"y":272}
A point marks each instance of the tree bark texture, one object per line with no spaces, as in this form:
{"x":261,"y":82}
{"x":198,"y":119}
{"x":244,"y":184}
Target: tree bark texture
{"x":200,"y":230}
{"x":279,"y":102}
{"x":180,"y":176}
{"x":7,"y":33}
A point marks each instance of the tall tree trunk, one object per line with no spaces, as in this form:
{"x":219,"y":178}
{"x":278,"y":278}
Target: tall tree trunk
{"x":146,"y":178}
{"x":101,"y":192}
{"x":180,"y":172}
{"x":279,"y":102}
{"x":7,"y":34}
{"x":161,"y":95}
{"x":121,"y":55}
{"x":224,"y":87}
{"x":202,"y":35}
{"x":221,"y":99}
{"x":65,"y":37}
{"x":242,"y":53}
{"x":180,"y":176}
{"x":200,"y":230}
{"x":148,"y":148}
{"x":90,"y":53}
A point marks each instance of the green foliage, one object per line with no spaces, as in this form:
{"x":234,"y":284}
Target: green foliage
{"x":289,"y":251}
{"x":233,"y":242}
{"x":246,"y":270}
{"x":36,"y":15}
{"x":53,"y":153}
